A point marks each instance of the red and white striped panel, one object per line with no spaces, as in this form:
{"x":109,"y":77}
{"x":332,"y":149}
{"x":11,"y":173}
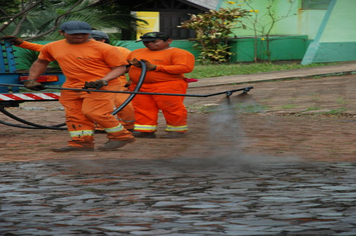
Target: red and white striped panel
{"x":29,"y":96}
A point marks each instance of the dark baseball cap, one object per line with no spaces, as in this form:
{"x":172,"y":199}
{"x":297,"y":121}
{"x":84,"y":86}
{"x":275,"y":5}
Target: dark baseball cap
{"x":99,"y":34}
{"x":151,"y":36}
{"x":76,"y":27}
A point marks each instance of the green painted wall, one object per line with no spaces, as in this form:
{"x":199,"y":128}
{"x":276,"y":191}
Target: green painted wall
{"x":293,"y":20}
{"x":331,"y":32}
{"x":281,"y":48}
{"x":341,"y":24}
{"x":336,"y":37}
{"x":331,"y":52}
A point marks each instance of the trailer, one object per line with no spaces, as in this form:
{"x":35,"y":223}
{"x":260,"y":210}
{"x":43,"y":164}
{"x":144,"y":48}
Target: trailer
{"x":13,"y":96}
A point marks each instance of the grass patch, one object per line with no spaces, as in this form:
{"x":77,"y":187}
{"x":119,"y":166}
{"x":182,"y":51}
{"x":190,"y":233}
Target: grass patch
{"x":341,"y":100}
{"x":208,"y":71}
{"x":313,"y":108}
{"x":288,"y":106}
{"x":335,"y":111}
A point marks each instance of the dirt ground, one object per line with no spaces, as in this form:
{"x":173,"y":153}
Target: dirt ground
{"x":313,"y":119}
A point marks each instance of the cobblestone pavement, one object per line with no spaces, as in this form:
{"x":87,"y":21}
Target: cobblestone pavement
{"x":226,"y":195}
{"x":206,"y":184}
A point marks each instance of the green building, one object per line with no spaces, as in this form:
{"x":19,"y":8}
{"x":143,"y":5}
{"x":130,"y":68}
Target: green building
{"x":309,"y":30}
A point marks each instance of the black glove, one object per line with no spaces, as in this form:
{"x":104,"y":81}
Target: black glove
{"x":33,"y":85}
{"x":12,"y":39}
{"x":97,"y":84}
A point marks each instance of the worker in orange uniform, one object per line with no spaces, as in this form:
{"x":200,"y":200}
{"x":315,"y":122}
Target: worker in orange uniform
{"x":85,"y":62}
{"x":125,"y":115}
{"x":166,"y":66}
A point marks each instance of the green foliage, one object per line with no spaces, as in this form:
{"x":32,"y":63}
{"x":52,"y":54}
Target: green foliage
{"x":218,"y":54}
{"x":28,"y":57}
{"x":213,"y":30}
{"x":43,"y":20}
{"x":9,"y":7}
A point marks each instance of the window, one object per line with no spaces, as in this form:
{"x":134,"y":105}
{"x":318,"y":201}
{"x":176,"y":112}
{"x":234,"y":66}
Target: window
{"x":315,"y":4}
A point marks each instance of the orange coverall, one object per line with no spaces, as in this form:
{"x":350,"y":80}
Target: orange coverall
{"x":126,"y":115}
{"x":168,"y":77}
{"x":89,"y":61}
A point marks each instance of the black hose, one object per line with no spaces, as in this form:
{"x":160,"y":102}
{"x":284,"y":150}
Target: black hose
{"x":18,"y":126}
{"x":137,"y":88}
{"x":56,"y":127}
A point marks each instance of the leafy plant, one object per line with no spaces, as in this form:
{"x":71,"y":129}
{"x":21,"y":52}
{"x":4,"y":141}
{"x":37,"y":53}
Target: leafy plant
{"x":213,"y":30}
{"x":28,"y":57}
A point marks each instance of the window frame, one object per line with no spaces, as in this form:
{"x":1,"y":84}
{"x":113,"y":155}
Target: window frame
{"x":315,"y":4}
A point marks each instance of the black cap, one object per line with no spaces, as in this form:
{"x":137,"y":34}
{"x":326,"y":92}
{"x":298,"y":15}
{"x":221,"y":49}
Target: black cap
{"x":151,"y":36}
{"x":76,"y":27}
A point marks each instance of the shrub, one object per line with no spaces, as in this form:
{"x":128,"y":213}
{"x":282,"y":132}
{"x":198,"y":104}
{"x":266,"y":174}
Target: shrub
{"x":213,"y":29}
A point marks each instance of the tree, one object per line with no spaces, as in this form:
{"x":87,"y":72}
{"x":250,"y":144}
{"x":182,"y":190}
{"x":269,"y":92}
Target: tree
{"x":8,"y":7}
{"x":39,"y":19}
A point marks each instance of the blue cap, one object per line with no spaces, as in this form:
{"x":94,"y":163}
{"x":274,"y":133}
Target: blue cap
{"x":76,"y":27}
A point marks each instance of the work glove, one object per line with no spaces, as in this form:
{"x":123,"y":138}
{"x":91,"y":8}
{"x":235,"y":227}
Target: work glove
{"x":149,"y":65}
{"x":135,"y":62}
{"x":97,"y":84}
{"x":33,"y":85}
{"x":12,"y":39}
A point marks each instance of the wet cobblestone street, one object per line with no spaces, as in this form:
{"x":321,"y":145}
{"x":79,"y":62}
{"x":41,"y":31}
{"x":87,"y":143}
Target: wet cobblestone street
{"x":269,"y":163}
{"x":179,"y":196}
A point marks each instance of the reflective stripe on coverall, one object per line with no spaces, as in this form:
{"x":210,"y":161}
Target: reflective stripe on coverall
{"x":147,"y":106}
